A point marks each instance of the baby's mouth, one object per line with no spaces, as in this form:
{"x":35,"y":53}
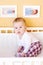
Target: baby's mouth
{"x":18,"y":32}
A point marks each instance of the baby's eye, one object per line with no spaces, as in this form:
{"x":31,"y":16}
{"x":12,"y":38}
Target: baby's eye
{"x":20,"y":27}
{"x":15,"y":27}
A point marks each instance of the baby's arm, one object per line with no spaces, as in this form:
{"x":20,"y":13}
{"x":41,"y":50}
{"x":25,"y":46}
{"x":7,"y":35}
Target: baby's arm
{"x":19,"y":49}
{"x":27,"y":45}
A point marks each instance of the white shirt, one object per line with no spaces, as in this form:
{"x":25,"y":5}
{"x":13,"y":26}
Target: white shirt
{"x":25,"y":41}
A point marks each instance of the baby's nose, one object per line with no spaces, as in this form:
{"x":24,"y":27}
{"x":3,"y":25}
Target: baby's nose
{"x":18,"y":28}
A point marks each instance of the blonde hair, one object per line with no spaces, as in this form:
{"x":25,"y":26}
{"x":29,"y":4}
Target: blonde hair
{"x":19,"y":19}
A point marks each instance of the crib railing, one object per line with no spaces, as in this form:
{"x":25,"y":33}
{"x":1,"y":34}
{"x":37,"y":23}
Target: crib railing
{"x":29,"y":29}
{"x":35,"y":29}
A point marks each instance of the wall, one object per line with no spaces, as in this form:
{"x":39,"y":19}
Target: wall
{"x":33,"y":22}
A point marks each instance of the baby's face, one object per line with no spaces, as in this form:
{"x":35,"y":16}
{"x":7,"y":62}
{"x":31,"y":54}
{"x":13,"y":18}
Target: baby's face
{"x":19,"y":27}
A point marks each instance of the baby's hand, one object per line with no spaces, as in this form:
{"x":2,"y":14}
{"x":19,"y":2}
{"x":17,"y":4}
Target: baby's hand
{"x":19,"y":49}
{"x":23,"y":54}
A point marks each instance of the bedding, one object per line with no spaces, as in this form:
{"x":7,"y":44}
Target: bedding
{"x":8,"y":46}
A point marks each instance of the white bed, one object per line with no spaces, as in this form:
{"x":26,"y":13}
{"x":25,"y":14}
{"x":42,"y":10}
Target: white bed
{"x":8,"y":45}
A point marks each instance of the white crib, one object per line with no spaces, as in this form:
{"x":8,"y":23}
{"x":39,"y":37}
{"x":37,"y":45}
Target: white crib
{"x":8,"y":45}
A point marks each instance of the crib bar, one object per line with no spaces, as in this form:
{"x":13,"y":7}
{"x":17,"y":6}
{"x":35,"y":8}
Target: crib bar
{"x":29,"y":29}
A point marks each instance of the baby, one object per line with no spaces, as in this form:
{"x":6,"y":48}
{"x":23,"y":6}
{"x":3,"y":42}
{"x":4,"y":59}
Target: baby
{"x":28,"y":45}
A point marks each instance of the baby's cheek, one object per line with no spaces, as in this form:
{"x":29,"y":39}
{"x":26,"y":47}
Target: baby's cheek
{"x":16,"y":31}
